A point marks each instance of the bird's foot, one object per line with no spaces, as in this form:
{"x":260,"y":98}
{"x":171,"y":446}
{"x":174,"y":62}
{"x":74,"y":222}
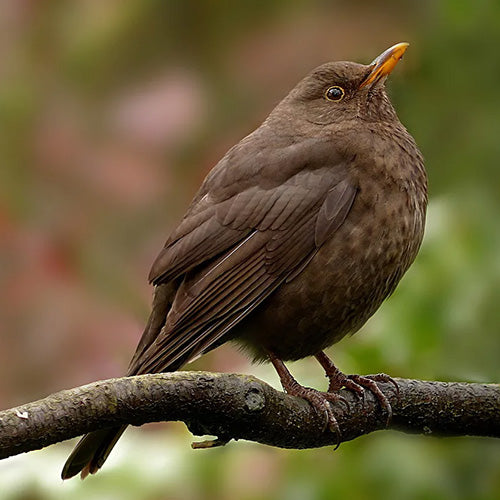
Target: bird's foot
{"x":320,"y":401}
{"x":357,"y":383}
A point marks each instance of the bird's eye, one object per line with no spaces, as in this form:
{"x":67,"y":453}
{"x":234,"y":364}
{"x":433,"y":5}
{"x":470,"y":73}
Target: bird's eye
{"x":334,"y":93}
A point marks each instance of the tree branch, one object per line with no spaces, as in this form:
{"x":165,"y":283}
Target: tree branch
{"x":243,"y":407}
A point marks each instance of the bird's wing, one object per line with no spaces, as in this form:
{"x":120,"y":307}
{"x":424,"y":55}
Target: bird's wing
{"x":243,"y":236}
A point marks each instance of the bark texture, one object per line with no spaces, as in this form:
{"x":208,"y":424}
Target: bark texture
{"x":243,"y":407}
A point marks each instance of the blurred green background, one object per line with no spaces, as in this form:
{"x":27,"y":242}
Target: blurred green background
{"x":111,"y":114}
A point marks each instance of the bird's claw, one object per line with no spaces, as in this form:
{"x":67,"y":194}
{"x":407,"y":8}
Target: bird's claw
{"x":320,"y":401}
{"x":357,"y":382}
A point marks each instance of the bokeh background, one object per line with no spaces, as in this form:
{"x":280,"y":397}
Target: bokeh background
{"x":111,"y":114}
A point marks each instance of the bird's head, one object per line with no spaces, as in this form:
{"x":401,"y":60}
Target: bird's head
{"x":340,"y":91}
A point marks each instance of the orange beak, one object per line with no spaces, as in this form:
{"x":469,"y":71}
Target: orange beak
{"x":384,"y":63}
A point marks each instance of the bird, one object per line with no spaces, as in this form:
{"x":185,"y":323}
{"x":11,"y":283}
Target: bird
{"x":293,"y":241}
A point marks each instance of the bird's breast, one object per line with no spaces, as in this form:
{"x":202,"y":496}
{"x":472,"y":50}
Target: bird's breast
{"x":352,"y":272}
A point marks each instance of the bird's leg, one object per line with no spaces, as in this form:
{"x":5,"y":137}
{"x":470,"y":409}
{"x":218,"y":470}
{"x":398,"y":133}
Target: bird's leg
{"x":356,"y":383}
{"x":320,"y":401}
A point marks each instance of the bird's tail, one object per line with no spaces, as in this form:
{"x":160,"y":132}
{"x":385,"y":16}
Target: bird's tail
{"x":93,"y":449}
{"x":91,"y":452}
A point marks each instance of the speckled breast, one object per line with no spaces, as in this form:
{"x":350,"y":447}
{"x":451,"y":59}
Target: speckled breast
{"x":354,"y":271}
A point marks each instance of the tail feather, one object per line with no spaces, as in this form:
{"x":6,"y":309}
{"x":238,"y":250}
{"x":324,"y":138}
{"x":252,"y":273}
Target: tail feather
{"x":93,"y":449}
{"x":91,"y":452}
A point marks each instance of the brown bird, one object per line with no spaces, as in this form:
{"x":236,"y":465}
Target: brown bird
{"x":292,"y":242}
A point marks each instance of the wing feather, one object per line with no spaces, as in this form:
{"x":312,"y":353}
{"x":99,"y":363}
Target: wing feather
{"x":232,"y":251}
{"x":334,"y":210}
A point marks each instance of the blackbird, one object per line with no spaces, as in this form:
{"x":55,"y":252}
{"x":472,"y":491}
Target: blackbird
{"x":292,"y":242}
